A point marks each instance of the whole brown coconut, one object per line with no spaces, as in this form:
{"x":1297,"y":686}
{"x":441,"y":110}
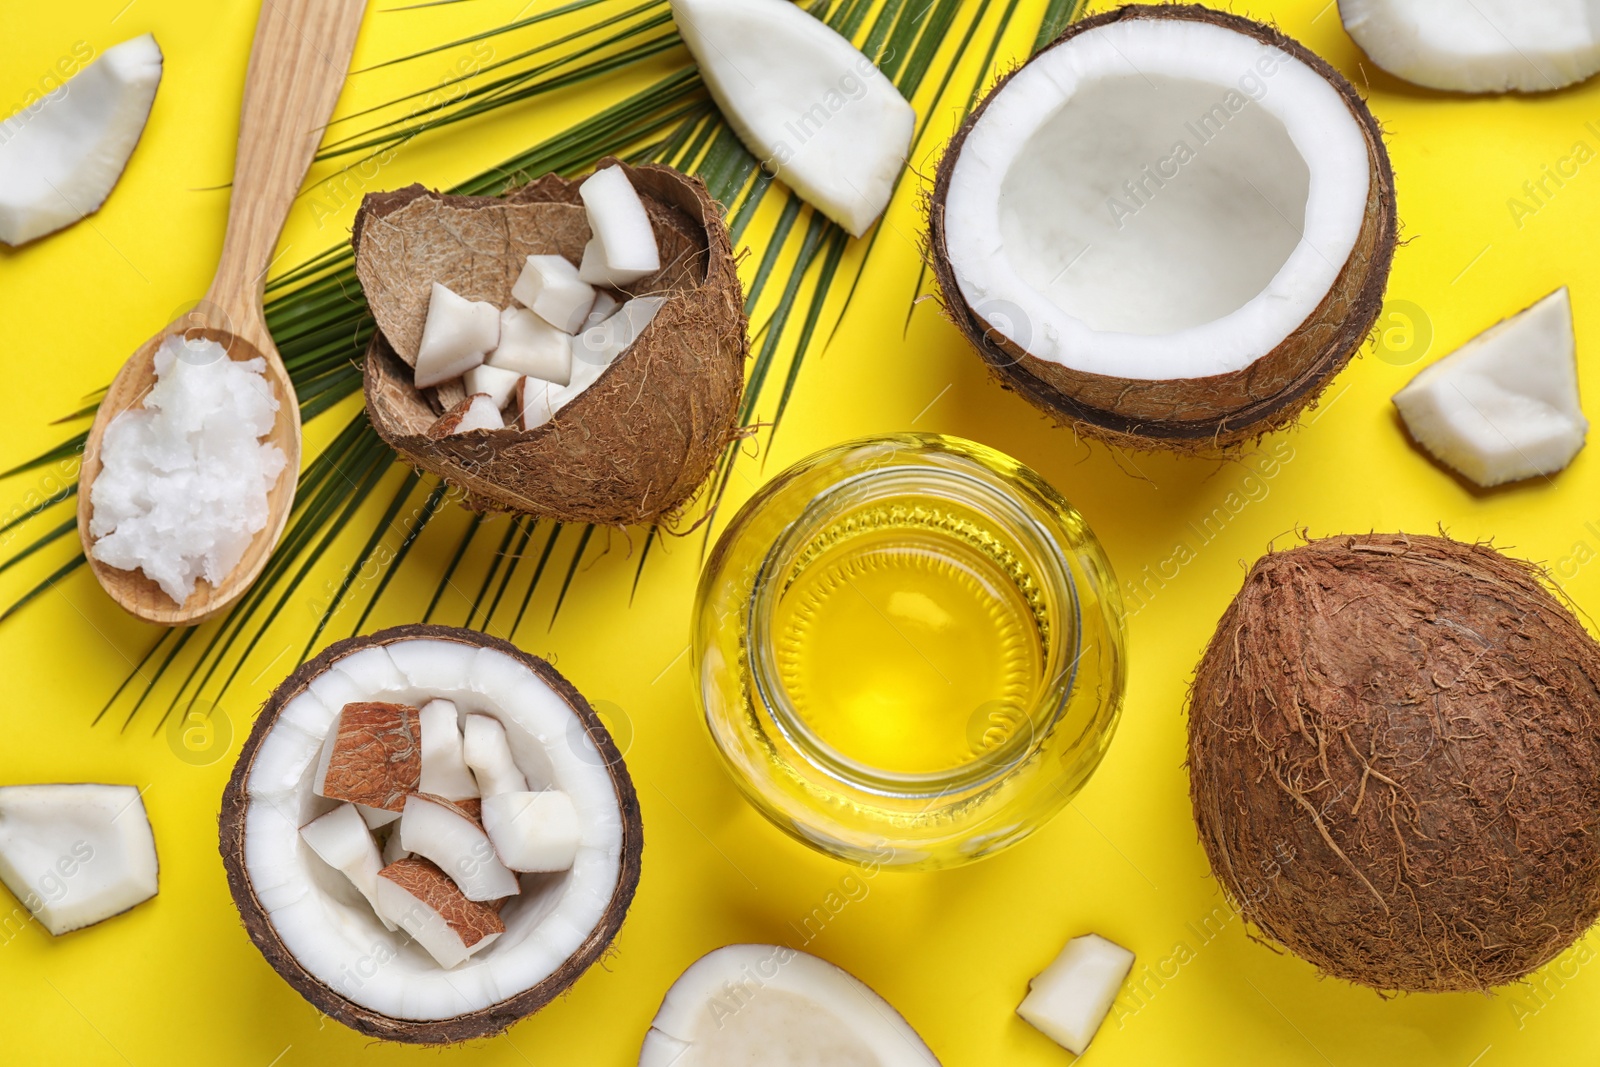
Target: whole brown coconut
{"x":1394,"y":761}
{"x":1192,"y":414}
{"x":633,"y":447}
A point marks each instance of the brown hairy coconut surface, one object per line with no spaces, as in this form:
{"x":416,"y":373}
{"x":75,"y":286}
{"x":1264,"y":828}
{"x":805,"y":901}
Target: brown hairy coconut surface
{"x":638,"y":443}
{"x":1194,"y":414}
{"x":1394,"y":761}
{"x":467,"y":1027}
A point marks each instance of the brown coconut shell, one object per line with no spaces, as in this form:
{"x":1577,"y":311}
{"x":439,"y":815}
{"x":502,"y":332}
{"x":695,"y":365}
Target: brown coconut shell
{"x":467,"y":1027}
{"x":1195,"y":414}
{"x":637,"y":444}
{"x":1394,"y":757}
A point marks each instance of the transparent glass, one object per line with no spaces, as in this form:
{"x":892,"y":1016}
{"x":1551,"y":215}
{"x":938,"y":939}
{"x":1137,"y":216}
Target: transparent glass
{"x":910,"y":651}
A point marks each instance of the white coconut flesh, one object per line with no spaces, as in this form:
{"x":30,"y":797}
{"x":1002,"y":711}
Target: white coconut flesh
{"x":531,"y":346}
{"x":595,"y":349}
{"x":1069,"y":999}
{"x":60,"y":158}
{"x":436,"y":830}
{"x":444,"y":769}
{"x":549,"y":286}
{"x":456,"y":336}
{"x":623,"y":248}
{"x":1156,"y":198}
{"x":1504,"y":406}
{"x":775,"y":1006}
{"x":326,"y":923}
{"x":76,"y":854}
{"x":1479,"y":46}
{"x":343,"y":841}
{"x":532,"y":831}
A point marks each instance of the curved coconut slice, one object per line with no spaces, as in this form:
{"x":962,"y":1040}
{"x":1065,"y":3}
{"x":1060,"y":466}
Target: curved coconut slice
{"x":60,"y":158}
{"x":1504,"y":406}
{"x":805,"y":102}
{"x":436,"y":829}
{"x":1170,"y":228}
{"x":768,"y":1004}
{"x":418,"y":897}
{"x":75,"y":855}
{"x":635,"y":444}
{"x":1479,"y":46}
{"x":343,"y":841}
{"x":327,"y":942}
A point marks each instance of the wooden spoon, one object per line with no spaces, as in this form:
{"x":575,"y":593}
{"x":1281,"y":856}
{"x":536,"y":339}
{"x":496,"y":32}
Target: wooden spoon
{"x":297,"y":66}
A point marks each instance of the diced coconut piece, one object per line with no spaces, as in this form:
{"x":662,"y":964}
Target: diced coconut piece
{"x":476,"y":412}
{"x":436,"y":829}
{"x":75,"y":855}
{"x":605,"y":305}
{"x":804,"y":101}
{"x":623,"y":248}
{"x":531,"y":346}
{"x":499,"y":383}
{"x":343,"y":841}
{"x":456,"y":336}
{"x":376,"y":817}
{"x":488,"y":753}
{"x":444,"y":770}
{"x":423,"y":901}
{"x":1504,"y":406}
{"x":549,"y":286}
{"x":372,"y":756}
{"x":61,"y":157}
{"x":532,"y":831}
{"x":1069,"y":999}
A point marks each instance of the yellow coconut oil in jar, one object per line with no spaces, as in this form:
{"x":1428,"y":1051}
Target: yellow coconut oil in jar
{"x":909,"y":651}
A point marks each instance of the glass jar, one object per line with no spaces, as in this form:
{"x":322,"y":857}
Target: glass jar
{"x":910,"y":651}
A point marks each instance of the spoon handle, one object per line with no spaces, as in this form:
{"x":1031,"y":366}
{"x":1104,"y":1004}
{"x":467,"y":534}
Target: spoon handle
{"x":297,"y":66}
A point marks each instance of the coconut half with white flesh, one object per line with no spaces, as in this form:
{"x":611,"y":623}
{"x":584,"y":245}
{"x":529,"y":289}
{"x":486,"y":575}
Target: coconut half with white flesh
{"x":318,"y":931}
{"x":769,"y":1004}
{"x":654,"y":387}
{"x":1169,"y":229}
{"x":1479,"y":46}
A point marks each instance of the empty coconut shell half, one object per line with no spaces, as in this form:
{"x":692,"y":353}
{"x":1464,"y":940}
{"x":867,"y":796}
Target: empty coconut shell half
{"x":323,"y":935}
{"x":636,"y":444}
{"x":1169,"y":229}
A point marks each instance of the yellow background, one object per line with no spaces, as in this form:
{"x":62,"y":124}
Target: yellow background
{"x":177,"y":981}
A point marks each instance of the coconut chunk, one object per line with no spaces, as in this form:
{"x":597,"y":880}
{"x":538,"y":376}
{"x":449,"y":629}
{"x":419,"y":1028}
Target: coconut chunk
{"x":436,"y":829}
{"x":477,"y":412}
{"x":1504,"y":406}
{"x":488,"y":753}
{"x":1069,"y":999}
{"x":75,"y":855}
{"x":421,"y":899}
{"x":595,"y":349}
{"x":531,"y":346}
{"x":444,"y":770}
{"x":549,"y":286}
{"x":343,"y":841}
{"x":623,"y":248}
{"x":61,"y":156}
{"x":805,"y":102}
{"x":536,"y":401}
{"x":532,"y":831}
{"x":456,"y":336}
{"x":497,"y":382}
{"x":372,"y":756}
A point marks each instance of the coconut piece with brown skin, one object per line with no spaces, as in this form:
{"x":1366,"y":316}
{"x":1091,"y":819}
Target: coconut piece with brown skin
{"x":1169,"y":229}
{"x":1394,"y":757}
{"x":636,"y":444}
{"x":450,"y":836}
{"x":373,"y":756}
{"x":421,"y":899}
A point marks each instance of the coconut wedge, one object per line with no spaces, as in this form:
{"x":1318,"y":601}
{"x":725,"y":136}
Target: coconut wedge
{"x":487,"y":751}
{"x":343,"y":841}
{"x":767,"y":1004}
{"x":549,"y":286}
{"x":1169,"y":229}
{"x":1069,"y":999}
{"x":372,"y":757}
{"x":479,"y":411}
{"x":623,"y":248}
{"x":444,"y":770}
{"x":75,"y":855}
{"x":635,"y":442}
{"x":328,"y":943}
{"x":1504,"y":406}
{"x":806,"y":103}
{"x":1479,"y":46}
{"x":436,"y":829}
{"x":61,"y":157}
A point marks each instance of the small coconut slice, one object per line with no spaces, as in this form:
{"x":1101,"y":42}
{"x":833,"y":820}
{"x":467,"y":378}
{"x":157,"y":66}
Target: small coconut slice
{"x":488,"y":753}
{"x":1069,"y":999}
{"x":343,"y":841}
{"x":1170,"y":229}
{"x":499,"y":384}
{"x":1479,"y":46}
{"x":531,"y":346}
{"x":61,"y":156}
{"x":549,"y":286}
{"x":805,"y":102}
{"x":532,"y":831}
{"x":1504,"y":406}
{"x":436,"y":829}
{"x":444,"y":770}
{"x":477,"y":412}
{"x":623,"y":248}
{"x":767,"y":1004}
{"x":75,"y":855}
{"x":458,"y":334}
{"x":372,"y":756}
{"x":418,"y":897}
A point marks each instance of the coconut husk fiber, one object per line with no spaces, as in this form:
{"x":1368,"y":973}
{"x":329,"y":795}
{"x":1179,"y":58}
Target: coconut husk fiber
{"x":1394,"y":758}
{"x":1194,"y":414}
{"x":637,"y":444}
